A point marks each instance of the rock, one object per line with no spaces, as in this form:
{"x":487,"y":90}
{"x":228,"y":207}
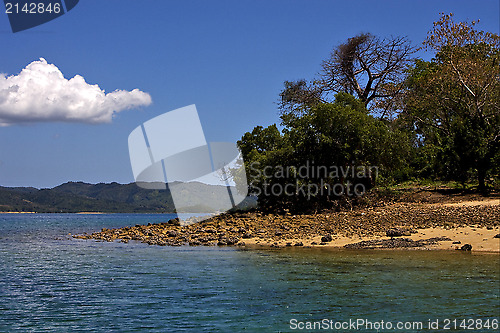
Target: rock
{"x":395,"y":243}
{"x":172,"y":233}
{"x":496,"y":236}
{"x":457,"y":242}
{"x":175,"y":221}
{"x":397,"y":232}
{"x":228,"y":241}
{"x":466,"y":247}
{"x":299,"y":244}
{"x":326,"y":239}
{"x":232,"y":240}
{"x":393,"y":233}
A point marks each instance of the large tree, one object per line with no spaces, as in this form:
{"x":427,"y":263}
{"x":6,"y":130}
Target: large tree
{"x":454,"y":100}
{"x":368,"y":67}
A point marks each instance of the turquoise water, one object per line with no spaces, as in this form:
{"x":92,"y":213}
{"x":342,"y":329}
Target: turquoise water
{"x":52,"y":283}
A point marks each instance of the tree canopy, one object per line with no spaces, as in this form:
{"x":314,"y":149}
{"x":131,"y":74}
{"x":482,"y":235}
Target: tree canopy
{"x":454,"y":99}
{"x":447,"y":125}
{"x":329,"y":151}
{"x":365,"y":66}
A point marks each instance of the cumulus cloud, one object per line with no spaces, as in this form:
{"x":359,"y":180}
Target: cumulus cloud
{"x":40,"y":93}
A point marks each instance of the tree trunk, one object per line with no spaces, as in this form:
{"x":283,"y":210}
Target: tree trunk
{"x":481,"y":177}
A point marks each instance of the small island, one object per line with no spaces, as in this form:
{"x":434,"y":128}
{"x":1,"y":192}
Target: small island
{"x":348,"y":163}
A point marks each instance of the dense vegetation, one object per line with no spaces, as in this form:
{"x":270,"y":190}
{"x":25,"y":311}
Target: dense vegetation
{"x":76,"y":197}
{"x":375,"y":115}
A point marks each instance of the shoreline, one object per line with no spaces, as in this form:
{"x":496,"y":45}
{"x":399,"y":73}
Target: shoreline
{"x":444,"y":224}
{"x":83,"y":213}
{"x":481,"y":240}
{"x":18,"y":213}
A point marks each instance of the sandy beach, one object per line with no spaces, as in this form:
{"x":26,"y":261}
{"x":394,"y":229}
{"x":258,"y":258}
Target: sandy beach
{"x":481,"y":239}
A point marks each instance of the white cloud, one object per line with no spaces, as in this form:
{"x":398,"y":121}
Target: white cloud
{"x":40,"y":93}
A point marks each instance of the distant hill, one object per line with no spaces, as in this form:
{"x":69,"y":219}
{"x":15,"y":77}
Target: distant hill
{"x":73,"y":197}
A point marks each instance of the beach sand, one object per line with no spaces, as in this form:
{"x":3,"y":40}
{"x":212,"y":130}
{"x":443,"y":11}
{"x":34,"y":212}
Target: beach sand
{"x":481,"y":239}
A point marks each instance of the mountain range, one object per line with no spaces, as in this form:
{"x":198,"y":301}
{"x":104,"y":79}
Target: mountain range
{"x":74,"y":197}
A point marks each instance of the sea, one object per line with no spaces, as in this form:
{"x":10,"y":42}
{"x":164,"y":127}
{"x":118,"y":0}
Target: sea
{"x":51,"y":282}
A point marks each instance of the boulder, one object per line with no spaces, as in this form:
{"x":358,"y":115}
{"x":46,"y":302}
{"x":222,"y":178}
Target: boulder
{"x":326,"y":239}
{"x":175,"y":221}
{"x":397,"y":232}
{"x":172,"y":233}
{"x":466,"y":247}
{"x":247,"y":235}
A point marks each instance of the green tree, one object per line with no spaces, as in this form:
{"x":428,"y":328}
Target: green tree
{"x":454,"y":99}
{"x":319,"y":149}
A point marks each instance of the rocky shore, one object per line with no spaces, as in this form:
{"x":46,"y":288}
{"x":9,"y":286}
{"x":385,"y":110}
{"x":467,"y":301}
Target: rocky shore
{"x":368,"y":227}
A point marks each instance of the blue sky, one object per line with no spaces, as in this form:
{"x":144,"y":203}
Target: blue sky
{"x":230,"y":58}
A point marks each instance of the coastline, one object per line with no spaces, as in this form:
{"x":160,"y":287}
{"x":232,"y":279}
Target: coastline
{"x":53,"y":213}
{"x":481,"y":240}
{"x":426,"y":221}
{"x":18,"y":212}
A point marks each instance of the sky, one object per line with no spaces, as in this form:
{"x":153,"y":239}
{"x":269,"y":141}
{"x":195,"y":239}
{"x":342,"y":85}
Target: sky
{"x":107,"y":66}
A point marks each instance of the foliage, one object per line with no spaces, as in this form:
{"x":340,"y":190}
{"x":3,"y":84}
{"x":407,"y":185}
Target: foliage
{"x":449,"y":128}
{"x":329,"y":148}
{"x":454,"y":99}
